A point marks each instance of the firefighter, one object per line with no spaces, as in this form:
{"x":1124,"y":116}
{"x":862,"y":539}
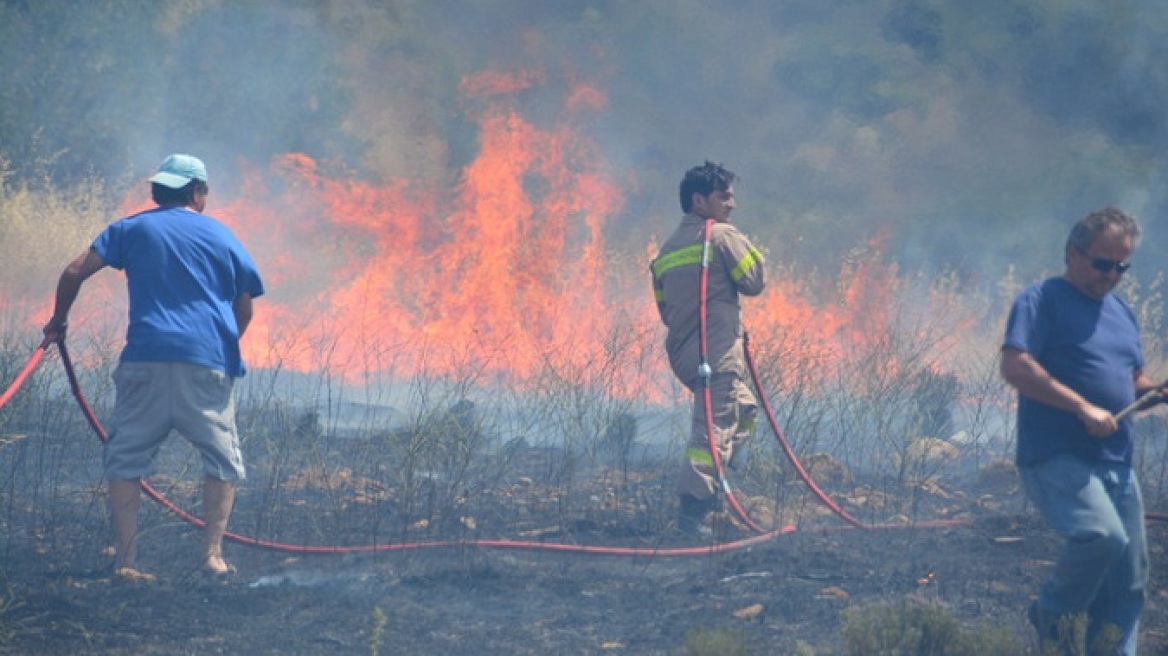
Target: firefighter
{"x":735,"y":267}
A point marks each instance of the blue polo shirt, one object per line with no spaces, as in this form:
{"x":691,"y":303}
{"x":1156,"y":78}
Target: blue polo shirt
{"x":183,"y":270}
{"x":1090,"y":345}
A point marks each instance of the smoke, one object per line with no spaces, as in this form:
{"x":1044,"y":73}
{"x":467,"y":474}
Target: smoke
{"x":969,"y":136}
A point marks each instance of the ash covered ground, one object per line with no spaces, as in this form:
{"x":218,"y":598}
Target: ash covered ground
{"x":785,"y":596}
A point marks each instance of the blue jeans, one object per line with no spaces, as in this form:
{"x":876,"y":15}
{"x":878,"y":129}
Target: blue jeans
{"x":1103,"y":568}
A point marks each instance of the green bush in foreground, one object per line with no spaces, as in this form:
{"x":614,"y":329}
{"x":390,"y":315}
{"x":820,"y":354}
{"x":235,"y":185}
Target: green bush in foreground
{"x":919,"y":630}
{"x":715,"y":642}
{"x":377,"y":634}
{"x":1071,"y":638}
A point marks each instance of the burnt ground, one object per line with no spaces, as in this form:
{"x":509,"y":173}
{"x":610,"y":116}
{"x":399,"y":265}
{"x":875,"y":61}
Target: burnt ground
{"x":785,"y":596}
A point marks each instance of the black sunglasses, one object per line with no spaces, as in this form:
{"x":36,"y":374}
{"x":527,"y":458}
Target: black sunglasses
{"x":1104,"y":265}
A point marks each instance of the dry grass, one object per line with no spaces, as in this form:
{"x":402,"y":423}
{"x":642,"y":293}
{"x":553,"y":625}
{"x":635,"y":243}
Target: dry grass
{"x":905,"y":408}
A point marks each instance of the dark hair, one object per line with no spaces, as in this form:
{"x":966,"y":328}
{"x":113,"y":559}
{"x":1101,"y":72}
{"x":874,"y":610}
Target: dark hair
{"x":704,"y":180}
{"x":183,"y":196}
{"x":1088,"y":228}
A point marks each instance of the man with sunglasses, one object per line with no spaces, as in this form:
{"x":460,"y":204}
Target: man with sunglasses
{"x":1072,"y":351}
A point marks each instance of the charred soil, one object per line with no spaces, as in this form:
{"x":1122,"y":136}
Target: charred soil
{"x":783,"y":596}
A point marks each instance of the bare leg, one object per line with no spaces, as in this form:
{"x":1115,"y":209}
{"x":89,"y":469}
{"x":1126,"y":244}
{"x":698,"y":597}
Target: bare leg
{"x":218,"y":498}
{"x":123,"y":501}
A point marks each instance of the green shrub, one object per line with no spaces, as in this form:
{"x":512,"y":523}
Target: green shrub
{"x":1072,"y":638}
{"x":377,"y":634}
{"x":905,"y":629}
{"x":715,"y":642}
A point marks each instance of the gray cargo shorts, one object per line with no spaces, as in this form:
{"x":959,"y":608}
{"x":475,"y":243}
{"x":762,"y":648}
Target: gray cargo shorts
{"x":154,"y":398}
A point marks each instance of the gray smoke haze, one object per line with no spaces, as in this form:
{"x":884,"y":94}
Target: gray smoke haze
{"x":964,"y":135}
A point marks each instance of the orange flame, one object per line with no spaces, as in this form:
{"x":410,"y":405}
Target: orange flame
{"x":505,"y":276}
{"x":381,"y":276}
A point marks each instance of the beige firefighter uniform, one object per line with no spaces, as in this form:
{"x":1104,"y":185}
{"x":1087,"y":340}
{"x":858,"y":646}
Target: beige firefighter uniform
{"x":736,"y":267}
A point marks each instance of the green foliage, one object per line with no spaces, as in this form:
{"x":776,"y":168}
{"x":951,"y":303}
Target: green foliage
{"x":1071,"y":639}
{"x":82,"y":82}
{"x":803,"y":649}
{"x":377,"y":633}
{"x":921,"y":630}
{"x":715,"y":642}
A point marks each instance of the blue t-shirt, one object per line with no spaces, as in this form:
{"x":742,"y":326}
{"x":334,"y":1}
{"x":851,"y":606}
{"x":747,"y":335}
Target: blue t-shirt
{"x":184,"y":270}
{"x":1090,"y":345}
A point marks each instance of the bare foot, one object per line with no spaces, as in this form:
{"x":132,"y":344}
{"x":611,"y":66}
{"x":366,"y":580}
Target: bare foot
{"x":217,"y":566}
{"x":131,"y":575}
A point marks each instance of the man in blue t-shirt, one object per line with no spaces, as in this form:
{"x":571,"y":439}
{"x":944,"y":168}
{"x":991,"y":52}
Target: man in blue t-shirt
{"x":1072,"y":350}
{"x":191,"y":285}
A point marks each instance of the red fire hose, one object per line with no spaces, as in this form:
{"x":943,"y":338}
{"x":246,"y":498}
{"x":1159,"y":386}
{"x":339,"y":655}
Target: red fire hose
{"x":18,"y":382}
{"x":713,"y":548}
{"x":155,"y":495}
{"x":704,"y":374}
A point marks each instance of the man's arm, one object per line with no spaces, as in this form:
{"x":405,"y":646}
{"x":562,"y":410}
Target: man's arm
{"x":1031,"y":379}
{"x":744,"y":262}
{"x":68,"y":287}
{"x":659,"y":298}
{"x":1144,"y":387}
{"x":242,"y":309}
{"x":1144,"y":384}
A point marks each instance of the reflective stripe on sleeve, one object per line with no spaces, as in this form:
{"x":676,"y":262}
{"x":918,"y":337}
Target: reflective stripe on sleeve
{"x":745,"y":264}
{"x":699,"y":456}
{"x":678,"y":258}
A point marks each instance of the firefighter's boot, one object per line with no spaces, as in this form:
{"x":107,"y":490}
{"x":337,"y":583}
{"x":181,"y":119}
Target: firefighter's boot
{"x":693,"y":515}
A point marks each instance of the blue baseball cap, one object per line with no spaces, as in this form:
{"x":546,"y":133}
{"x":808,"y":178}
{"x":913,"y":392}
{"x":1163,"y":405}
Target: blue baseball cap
{"x":177,"y":171}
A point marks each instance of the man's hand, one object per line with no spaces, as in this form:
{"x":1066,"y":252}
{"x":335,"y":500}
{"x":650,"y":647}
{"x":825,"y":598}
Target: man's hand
{"x":1161,"y":395}
{"x":54,"y":330}
{"x":1148,"y":395}
{"x":1154,"y":396}
{"x":1099,"y":422}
